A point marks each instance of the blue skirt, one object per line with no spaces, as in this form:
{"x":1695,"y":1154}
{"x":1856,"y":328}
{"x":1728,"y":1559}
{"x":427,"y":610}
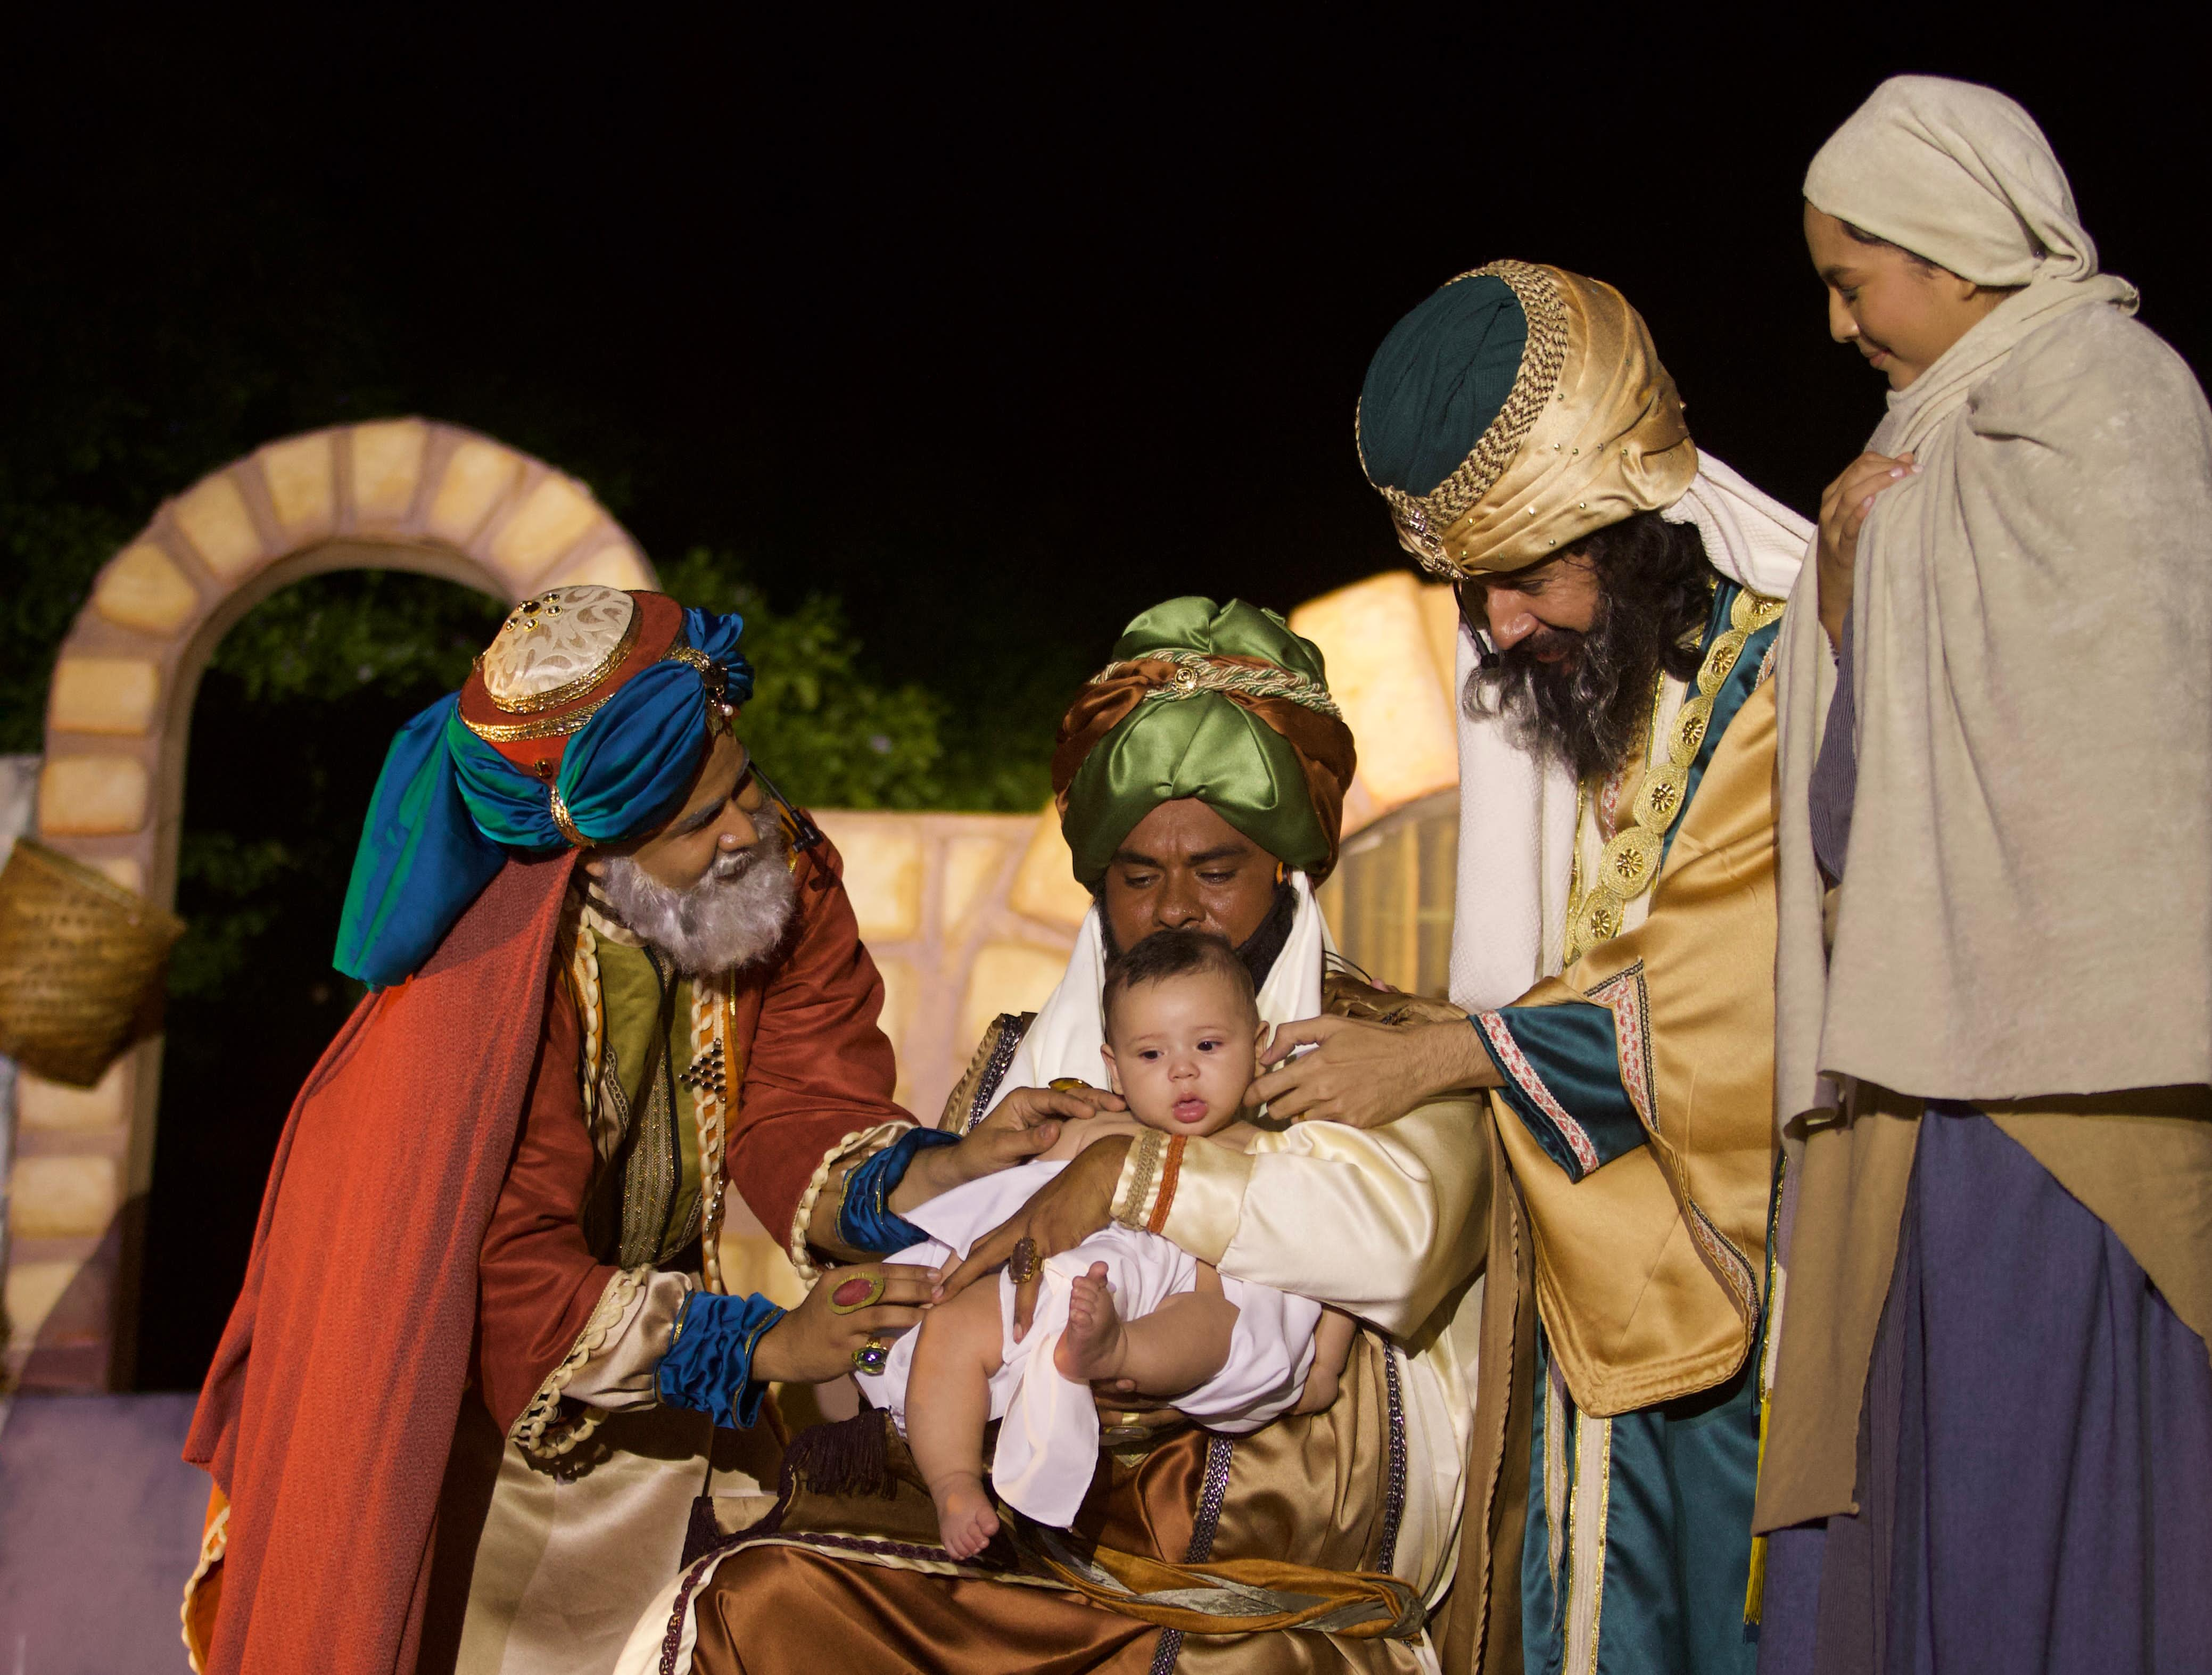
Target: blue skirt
{"x":2035,"y":1449}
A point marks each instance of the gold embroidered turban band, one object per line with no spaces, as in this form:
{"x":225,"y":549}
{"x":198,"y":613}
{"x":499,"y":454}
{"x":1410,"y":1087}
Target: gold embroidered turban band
{"x":1491,"y":462}
{"x":1224,"y":704}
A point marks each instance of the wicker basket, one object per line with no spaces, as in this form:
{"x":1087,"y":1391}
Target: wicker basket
{"x":81,"y":965}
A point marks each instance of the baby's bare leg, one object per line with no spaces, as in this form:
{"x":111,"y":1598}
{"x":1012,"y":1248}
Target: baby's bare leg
{"x":1175,"y":1349}
{"x":1331,"y":1351}
{"x":948,"y":1402}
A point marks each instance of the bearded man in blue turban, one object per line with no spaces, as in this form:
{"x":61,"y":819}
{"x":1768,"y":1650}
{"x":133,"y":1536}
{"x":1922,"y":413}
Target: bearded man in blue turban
{"x":484,"y":1370}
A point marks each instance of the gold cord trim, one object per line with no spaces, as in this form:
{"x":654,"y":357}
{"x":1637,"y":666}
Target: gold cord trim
{"x":859,"y":1141}
{"x":215,"y":1542}
{"x":559,"y":810}
{"x":584,"y":971}
{"x":541,"y":1432}
{"x":689,"y":654}
{"x":561,"y":726}
{"x":1196,"y":673}
{"x":1629,"y":864}
{"x":714,"y":1100}
{"x":1423,"y":518}
{"x":1134,"y":1206}
{"x":550,"y":726}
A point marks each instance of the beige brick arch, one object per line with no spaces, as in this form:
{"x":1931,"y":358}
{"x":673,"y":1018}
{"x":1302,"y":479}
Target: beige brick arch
{"x":395,"y":494}
{"x":968,"y":915}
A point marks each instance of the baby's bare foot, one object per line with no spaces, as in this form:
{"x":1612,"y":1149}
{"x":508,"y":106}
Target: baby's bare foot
{"x":965,"y":1522}
{"x":1090,"y":1347}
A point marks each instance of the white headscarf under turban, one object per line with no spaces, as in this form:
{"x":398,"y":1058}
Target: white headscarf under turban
{"x":1957,"y":174}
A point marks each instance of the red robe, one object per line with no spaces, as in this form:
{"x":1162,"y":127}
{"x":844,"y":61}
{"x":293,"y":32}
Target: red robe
{"x":421,"y":1225}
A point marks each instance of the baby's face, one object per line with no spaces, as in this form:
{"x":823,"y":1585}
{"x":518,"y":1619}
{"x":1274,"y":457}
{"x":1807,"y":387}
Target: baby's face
{"x":1183,"y":1051}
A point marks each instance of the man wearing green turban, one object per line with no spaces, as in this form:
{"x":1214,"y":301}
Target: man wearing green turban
{"x":1200,"y":780}
{"x":1225,"y":709}
{"x":1613,"y":951}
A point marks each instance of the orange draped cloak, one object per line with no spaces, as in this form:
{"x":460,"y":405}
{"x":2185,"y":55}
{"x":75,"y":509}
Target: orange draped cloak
{"x":420,"y":1239}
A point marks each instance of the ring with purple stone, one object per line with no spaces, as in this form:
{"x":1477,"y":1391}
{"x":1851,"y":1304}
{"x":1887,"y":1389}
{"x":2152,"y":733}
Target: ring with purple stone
{"x":870,"y":1357}
{"x":860,"y":1292}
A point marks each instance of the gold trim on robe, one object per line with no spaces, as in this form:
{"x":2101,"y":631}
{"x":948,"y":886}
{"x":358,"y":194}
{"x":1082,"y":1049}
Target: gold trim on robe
{"x":1647,"y":1270}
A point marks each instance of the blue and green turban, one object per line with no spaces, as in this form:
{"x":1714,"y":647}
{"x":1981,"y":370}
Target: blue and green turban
{"x":583,"y":724}
{"x":1224,"y":704}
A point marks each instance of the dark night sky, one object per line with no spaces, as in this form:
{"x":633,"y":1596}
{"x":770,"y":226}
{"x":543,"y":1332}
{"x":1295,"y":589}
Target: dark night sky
{"x":999,"y":335}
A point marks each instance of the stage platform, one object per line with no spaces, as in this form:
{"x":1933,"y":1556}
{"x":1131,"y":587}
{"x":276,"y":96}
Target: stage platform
{"x":100,"y":1523}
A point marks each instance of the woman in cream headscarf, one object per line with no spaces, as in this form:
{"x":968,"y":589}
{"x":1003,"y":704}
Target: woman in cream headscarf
{"x":1996,"y":782}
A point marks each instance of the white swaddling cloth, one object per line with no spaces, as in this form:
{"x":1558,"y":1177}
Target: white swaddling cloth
{"x":1049,"y":1440}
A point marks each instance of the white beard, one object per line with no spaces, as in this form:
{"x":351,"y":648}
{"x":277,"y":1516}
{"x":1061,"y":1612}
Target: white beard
{"x":737,"y":914}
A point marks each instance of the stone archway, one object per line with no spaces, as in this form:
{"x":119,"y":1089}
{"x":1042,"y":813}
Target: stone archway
{"x":401,"y":494}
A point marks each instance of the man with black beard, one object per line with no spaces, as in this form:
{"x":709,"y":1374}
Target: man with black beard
{"x":1613,"y":963}
{"x":1570,"y":648}
{"x":486,"y":1376}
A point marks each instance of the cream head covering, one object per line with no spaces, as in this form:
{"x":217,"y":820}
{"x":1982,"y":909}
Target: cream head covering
{"x":2027,"y":899}
{"x":1959,"y":174}
{"x":1590,"y":431}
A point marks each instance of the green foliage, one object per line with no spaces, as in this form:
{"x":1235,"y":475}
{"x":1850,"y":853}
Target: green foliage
{"x":239,"y":880}
{"x":832,"y":735}
{"x":329,"y":636}
{"x":829,"y":736}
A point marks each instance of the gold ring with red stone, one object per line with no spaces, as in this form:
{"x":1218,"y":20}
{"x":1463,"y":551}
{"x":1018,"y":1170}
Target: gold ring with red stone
{"x":860,"y":1292}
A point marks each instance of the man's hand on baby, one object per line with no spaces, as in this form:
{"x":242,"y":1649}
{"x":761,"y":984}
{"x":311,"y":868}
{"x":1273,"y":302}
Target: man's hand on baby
{"x":1106,"y":1125}
{"x":1065,"y":1211}
{"x":1364,"y":1074}
{"x":814,"y":1343}
{"x":1026,"y":1123}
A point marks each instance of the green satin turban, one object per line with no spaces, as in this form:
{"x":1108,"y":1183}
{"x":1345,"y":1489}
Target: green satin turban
{"x":1224,"y":704}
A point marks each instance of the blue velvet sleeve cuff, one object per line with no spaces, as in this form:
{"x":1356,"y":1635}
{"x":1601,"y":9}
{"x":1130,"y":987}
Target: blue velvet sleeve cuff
{"x":864,"y":1219}
{"x":708,"y":1367}
{"x":1559,"y":1068}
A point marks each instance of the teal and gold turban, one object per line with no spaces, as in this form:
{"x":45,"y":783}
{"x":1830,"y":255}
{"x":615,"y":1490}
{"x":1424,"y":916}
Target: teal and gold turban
{"x":1224,"y":704}
{"x":581,"y":724}
{"x":1515,"y":411}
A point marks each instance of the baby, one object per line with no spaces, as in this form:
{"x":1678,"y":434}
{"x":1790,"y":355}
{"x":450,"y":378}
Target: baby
{"x":1182,"y":1032}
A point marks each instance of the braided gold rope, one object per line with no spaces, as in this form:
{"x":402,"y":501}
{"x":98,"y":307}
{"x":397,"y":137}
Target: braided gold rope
{"x":1195,"y":673}
{"x":592,"y":1003}
{"x":559,"y":810}
{"x":711,"y":1004}
{"x":548,"y":726}
{"x":690,"y":655}
{"x":1423,"y":518}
